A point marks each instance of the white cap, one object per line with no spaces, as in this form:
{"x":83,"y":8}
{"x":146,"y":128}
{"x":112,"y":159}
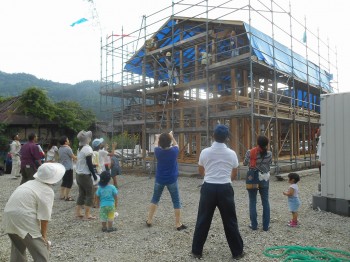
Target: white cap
{"x":50,"y":173}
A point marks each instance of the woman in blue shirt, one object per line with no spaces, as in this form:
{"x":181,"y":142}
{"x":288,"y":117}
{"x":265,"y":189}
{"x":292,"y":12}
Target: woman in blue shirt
{"x":166,"y":175}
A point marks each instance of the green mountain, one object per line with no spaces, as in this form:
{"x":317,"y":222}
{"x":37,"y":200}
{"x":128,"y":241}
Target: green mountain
{"x":86,"y":93}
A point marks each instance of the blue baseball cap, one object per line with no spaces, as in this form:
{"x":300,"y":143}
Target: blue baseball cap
{"x":221,"y":132}
{"x":97,"y":142}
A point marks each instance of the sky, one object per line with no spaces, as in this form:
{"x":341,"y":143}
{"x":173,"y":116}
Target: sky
{"x":37,"y":37}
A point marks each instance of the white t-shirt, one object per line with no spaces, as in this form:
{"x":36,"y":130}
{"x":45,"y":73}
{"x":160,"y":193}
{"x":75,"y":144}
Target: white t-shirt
{"x":102,"y":157}
{"x":296,"y":190}
{"x":29,"y":203}
{"x":51,"y":153}
{"x":218,"y":162}
{"x":81,"y":166}
{"x":15,"y":148}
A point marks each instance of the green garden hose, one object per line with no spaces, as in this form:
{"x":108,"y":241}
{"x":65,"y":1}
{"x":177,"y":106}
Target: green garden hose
{"x":307,"y":253}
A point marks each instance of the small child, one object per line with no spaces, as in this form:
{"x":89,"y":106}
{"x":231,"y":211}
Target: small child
{"x":293,"y":198}
{"x":107,"y":198}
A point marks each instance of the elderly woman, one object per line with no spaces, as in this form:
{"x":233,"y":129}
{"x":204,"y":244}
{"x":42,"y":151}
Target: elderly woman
{"x":28,"y":211}
{"x":259,"y":158}
{"x":84,"y":171}
{"x":166,"y":176}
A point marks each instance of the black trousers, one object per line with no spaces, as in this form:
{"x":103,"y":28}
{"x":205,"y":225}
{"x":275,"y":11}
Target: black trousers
{"x":221,"y":196}
{"x":27,"y":174}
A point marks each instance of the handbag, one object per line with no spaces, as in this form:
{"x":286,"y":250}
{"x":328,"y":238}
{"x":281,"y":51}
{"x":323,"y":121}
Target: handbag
{"x":252,"y":178}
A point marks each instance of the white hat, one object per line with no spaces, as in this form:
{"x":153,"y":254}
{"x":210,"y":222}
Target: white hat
{"x":168,"y":54}
{"x":84,"y":137}
{"x":50,"y":173}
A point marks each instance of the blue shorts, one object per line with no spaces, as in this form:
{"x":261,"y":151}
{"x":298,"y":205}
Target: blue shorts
{"x":293,"y":204}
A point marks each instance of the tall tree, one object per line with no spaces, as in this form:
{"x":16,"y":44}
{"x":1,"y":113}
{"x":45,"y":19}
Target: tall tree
{"x":34,"y":101}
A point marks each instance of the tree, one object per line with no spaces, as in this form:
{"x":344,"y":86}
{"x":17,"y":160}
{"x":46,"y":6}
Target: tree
{"x":71,"y":115}
{"x":67,"y":114}
{"x":34,"y":102}
{"x":4,"y":140}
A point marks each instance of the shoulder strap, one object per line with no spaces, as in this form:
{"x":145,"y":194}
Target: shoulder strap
{"x":261,"y":162}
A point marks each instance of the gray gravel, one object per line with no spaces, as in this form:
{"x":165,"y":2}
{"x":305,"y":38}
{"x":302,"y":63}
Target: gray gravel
{"x":74,"y":240}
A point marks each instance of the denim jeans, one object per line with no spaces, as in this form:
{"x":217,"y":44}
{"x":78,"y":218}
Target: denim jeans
{"x":221,"y":196}
{"x":264,"y":194}
{"x":173,"y":190}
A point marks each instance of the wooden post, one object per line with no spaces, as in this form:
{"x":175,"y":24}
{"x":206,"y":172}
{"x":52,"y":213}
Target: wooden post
{"x":181,"y":135}
{"x":198,"y":135}
{"x":233,"y":85}
{"x":196,"y":62}
{"x":245,"y":83}
{"x":168,"y":122}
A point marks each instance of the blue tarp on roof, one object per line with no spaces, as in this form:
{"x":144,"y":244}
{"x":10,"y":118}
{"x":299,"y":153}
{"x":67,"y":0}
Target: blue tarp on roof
{"x":135,"y":64}
{"x":262,"y":45}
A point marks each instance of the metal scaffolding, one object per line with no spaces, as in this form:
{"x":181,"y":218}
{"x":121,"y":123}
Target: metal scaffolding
{"x":249,"y":64}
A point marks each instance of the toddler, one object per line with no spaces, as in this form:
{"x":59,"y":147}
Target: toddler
{"x":107,"y":199}
{"x":293,"y":198}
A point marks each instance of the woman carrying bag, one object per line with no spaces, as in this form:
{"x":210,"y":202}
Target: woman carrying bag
{"x":259,"y":160}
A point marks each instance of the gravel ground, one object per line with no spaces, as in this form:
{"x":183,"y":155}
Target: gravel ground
{"x":74,"y":240}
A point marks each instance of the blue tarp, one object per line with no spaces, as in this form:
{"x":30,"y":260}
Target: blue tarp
{"x":262,"y":46}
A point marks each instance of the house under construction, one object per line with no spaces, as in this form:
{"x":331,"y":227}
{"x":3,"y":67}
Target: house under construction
{"x":246,"y":64}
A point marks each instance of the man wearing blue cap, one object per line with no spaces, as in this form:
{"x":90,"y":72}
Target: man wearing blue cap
{"x":218,"y":164}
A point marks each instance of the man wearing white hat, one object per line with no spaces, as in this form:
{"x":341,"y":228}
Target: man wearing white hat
{"x":28,"y":211}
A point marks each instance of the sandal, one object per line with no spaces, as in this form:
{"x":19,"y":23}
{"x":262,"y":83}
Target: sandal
{"x":79,"y":217}
{"x":89,"y":218}
{"x":62,"y":198}
{"x":181,"y":227}
{"x":69,"y":198}
{"x":112,"y":229}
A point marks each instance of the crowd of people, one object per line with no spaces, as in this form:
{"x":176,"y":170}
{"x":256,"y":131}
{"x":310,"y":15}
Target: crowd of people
{"x":96,"y":169}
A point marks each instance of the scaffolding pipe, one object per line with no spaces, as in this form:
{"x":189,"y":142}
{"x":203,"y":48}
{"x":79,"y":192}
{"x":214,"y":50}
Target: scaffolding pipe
{"x":274,"y":84}
{"x":206,"y":75}
{"x":252,"y":95}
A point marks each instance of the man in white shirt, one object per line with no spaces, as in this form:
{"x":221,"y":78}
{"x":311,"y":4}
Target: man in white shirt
{"x":16,"y":160}
{"x":28,"y":211}
{"x":218,"y":164}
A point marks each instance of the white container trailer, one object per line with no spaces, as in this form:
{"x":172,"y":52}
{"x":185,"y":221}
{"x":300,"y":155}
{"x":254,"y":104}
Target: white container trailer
{"x":335,"y":154}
